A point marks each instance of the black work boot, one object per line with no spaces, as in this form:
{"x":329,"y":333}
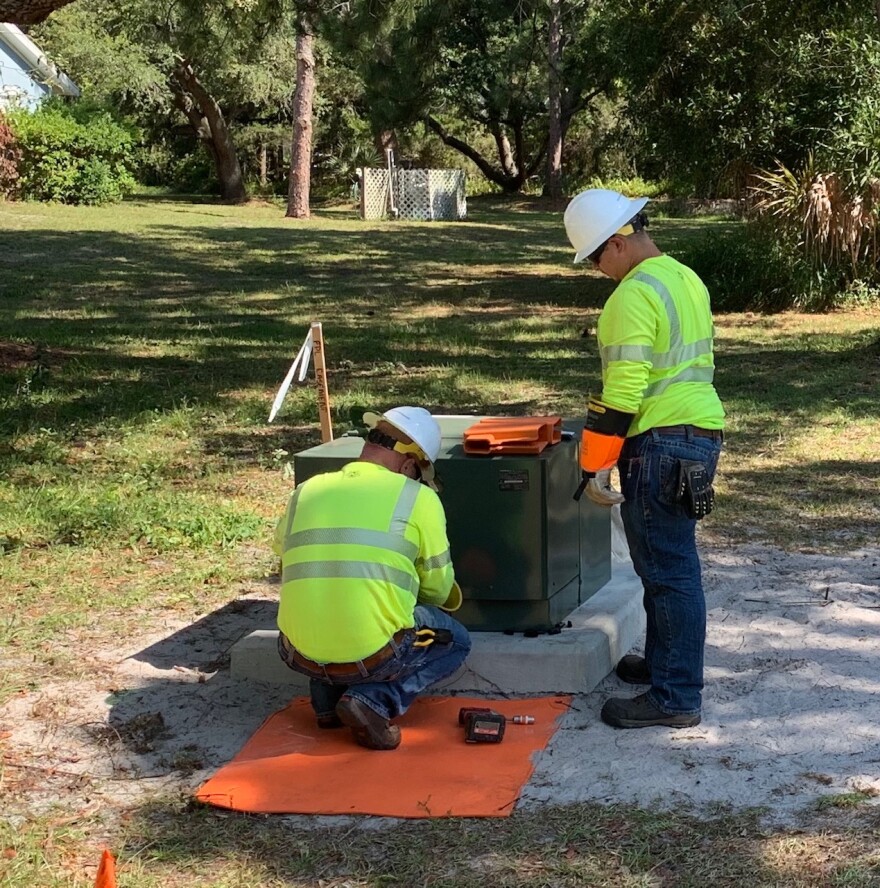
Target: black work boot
{"x":640,"y":712}
{"x":633,"y":670}
{"x":329,"y":720}
{"x":368,"y":727}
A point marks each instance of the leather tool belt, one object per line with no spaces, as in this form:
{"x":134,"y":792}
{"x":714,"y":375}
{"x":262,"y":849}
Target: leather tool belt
{"x":714,"y":434}
{"x":357,"y":668}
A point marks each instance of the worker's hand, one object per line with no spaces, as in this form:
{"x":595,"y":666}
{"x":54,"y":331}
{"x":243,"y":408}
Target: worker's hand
{"x":600,"y":491}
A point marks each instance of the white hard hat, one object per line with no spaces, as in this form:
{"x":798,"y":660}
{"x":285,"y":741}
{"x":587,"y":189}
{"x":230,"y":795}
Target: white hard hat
{"x":418,"y":424}
{"x":592,"y":216}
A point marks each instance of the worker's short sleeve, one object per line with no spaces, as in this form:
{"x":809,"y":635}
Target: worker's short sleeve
{"x":627,"y":334}
{"x":434,"y":561}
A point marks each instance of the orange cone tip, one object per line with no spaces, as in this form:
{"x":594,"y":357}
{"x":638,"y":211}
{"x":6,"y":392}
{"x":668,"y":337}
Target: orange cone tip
{"x":106,"y":877}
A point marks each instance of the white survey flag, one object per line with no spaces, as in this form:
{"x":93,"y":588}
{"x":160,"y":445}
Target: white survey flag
{"x":301,"y":363}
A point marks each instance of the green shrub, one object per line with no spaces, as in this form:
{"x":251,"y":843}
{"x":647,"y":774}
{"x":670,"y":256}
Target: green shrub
{"x":194,"y":173}
{"x":75,"y":155}
{"x":813,"y":243}
{"x":753,"y":268}
{"x":632,"y":187}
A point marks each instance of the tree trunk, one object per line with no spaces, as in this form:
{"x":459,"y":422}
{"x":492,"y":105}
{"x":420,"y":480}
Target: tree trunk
{"x":25,"y":13}
{"x":553,"y":175}
{"x":385,"y":139}
{"x":505,"y":155}
{"x":206,"y":118}
{"x":519,"y":149}
{"x":301,"y":141}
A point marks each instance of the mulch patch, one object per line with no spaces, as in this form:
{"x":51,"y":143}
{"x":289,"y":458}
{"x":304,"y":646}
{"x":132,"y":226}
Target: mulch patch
{"x":18,"y":355}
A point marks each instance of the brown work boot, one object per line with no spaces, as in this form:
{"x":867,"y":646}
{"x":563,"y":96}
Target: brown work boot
{"x":367,"y":726}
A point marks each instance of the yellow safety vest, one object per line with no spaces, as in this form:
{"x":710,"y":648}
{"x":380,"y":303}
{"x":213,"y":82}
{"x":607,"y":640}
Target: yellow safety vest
{"x":655,"y":337}
{"x":359,"y":548}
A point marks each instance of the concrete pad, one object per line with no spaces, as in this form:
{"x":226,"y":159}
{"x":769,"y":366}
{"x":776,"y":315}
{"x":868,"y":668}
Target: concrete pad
{"x":603,"y":629}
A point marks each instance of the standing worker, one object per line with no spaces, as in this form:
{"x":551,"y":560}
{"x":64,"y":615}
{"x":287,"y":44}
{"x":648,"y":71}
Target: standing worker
{"x":367,"y":580}
{"x":660,"y":420}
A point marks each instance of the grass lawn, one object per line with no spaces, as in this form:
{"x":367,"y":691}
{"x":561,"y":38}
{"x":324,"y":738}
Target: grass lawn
{"x":140,"y":348}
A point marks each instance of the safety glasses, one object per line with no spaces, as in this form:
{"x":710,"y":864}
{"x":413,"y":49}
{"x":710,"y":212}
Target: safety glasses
{"x":596,"y":256}
{"x":638,"y":223}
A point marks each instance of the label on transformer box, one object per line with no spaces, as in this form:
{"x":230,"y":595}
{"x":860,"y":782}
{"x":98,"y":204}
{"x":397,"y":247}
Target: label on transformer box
{"x":508,"y":479}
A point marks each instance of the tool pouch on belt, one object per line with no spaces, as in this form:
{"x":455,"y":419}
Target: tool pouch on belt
{"x":695,"y":491}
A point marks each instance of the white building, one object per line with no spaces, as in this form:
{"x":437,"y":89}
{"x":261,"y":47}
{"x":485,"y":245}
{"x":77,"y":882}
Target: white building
{"x":26,"y":74}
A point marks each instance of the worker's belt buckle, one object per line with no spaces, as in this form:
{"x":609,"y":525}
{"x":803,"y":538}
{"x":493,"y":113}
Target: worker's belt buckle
{"x":355,"y":669}
{"x":695,"y":491}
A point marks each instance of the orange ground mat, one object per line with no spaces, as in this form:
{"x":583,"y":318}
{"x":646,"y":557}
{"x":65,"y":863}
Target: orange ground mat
{"x":289,"y":766}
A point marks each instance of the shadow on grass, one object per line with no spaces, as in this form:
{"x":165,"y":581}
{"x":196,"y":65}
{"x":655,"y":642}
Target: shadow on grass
{"x":204,"y":311}
{"x":123,"y":325}
{"x":794,"y":504}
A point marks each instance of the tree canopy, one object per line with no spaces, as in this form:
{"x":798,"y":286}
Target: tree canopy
{"x":28,"y":12}
{"x":716,"y":88}
{"x":688,"y":91}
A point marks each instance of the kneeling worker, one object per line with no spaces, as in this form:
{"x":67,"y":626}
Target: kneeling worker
{"x":367,"y":579}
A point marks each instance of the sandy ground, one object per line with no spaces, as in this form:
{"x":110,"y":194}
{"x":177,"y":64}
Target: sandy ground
{"x":791,"y":708}
{"x":790,"y":714}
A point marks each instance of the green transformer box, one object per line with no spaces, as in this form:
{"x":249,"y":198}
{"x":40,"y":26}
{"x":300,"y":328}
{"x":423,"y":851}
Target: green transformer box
{"x":525,"y":553}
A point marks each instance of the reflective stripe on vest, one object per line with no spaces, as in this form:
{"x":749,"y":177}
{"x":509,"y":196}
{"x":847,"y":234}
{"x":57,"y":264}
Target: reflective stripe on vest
{"x":678,"y":352}
{"x":361,"y":570}
{"x":689,"y":374}
{"x":351,"y":570}
{"x":354,"y":536}
{"x":437,"y":561}
{"x":404,"y":506}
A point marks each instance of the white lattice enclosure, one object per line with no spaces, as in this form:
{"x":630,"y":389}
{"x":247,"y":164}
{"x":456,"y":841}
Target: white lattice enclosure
{"x":414,"y":194}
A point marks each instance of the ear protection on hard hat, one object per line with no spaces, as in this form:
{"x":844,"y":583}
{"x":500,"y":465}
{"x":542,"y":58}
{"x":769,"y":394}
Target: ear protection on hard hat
{"x":374,"y":436}
{"x":639,"y":222}
{"x":421,"y":428}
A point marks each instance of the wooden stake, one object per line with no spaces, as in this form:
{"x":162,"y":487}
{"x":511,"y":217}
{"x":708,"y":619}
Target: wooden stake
{"x":321,"y":382}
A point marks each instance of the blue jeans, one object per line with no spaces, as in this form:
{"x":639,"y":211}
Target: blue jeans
{"x":662,"y":544}
{"x":391,"y":688}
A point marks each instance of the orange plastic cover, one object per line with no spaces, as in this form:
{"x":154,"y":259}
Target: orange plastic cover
{"x":513,"y":434}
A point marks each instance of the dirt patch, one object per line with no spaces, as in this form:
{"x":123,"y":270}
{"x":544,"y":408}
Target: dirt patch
{"x":17,"y":356}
